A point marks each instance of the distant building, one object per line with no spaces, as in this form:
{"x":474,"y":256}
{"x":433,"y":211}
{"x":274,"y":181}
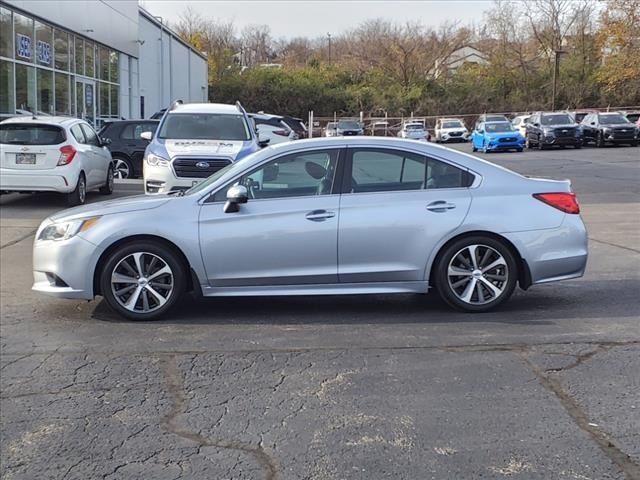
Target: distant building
{"x":462,"y":56}
{"x":94,"y":59}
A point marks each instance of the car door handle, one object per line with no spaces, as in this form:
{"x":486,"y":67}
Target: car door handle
{"x":319,"y":215}
{"x":440,"y":206}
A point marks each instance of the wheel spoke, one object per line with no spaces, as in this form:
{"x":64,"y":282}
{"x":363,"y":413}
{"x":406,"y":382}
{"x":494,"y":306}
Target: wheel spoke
{"x":163,"y":286}
{"x":119,"y":278}
{"x":124,"y":290}
{"x":485,"y":257}
{"x":137,"y":257}
{"x":164,"y":270}
{"x":145,"y":300}
{"x":161,"y":300}
{"x":496,"y":263}
{"x":468,"y":292}
{"x":495,"y":290}
{"x":133,"y":299}
{"x":152,"y":264}
{"x":496,"y":277}
{"x":125,"y":263}
{"x":459,"y":283}
{"x":459,"y":272}
{"x":472,"y":253}
{"x":480,"y":292}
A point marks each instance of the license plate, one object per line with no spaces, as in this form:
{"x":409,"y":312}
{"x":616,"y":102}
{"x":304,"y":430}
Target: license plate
{"x":25,"y":158}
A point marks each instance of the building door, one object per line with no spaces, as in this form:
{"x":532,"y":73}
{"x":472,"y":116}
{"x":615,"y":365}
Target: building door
{"x":85,"y":100}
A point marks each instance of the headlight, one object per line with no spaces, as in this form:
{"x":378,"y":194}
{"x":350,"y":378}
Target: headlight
{"x":66,"y":230}
{"x":547,"y":131}
{"x":156,"y":161}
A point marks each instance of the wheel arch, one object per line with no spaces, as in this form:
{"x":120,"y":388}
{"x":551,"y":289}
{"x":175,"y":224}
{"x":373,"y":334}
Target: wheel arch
{"x":120,"y":154}
{"x":191,"y":278}
{"x":524,"y":273}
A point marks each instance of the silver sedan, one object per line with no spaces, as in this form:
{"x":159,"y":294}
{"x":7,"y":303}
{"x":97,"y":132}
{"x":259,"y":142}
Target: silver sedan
{"x":322,"y":216}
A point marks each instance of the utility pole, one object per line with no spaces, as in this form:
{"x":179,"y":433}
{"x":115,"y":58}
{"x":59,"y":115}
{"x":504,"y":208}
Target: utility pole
{"x":556,"y":76}
{"x":329,"y":37}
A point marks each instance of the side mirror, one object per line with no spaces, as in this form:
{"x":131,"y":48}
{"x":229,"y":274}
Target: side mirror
{"x":480,"y":131}
{"x":536,"y":124}
{"x":263,"y":141}
{"x":105,"y":142}
{"x":235,"y":196}
{"x":146,"y":136}
{"x":593,"y":123}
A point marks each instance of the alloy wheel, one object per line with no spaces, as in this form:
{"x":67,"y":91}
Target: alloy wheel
{"x":121,"y":168}
{"x":142,"y":282}
{"x":478,"y":274}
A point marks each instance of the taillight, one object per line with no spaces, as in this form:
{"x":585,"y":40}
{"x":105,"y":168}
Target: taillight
{"x":67,"y":152}
{"x":282,"y":133}
{"x":564,"y":201}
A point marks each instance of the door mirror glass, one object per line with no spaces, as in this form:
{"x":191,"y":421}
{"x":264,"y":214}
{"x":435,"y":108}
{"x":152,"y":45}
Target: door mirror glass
{"x":146,"y":136}
{"x":235,"y":196}
{"x":593,"y":123}
{"x":536,"y":124}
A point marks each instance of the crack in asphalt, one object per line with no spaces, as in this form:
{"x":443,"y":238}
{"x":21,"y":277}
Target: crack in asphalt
{"x":614,"y":245}
{"x":553,"y":384}
{"x":175,"y":386}
{"x":19,"y":239}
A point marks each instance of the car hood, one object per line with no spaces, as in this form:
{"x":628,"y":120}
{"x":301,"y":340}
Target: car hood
{"x":121,"y":205}
{"x":224,"y":148}
{"x":503,"y":134}
{"x":567,"y":125}
{"x":456,"y":129}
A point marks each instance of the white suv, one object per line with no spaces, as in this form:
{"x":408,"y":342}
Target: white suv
{"x":193,"y":141}
{"x":53,"y":154}
{"x":451,"y":130}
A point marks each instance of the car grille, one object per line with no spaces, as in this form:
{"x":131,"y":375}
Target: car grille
{"x":564,"y":132}
{"x":349,"y":133}
{"x":198,"y":167}
{"x":627,"y":133}
{"x":507,"y":139}
{"x":455,"y":134}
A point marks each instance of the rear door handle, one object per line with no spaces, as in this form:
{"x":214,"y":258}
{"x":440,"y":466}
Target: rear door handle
{"x":440,"y":206}
{"x":319,"y":215}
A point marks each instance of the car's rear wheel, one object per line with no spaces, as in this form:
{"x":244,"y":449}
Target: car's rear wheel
{"x":107,"y":188}
{"x":476,"y":274}
{"x":142,"y":280}
{"x":79,"y":194}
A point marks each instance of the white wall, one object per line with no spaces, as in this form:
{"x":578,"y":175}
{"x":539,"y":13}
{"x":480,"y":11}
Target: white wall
{"x":168,"y":69}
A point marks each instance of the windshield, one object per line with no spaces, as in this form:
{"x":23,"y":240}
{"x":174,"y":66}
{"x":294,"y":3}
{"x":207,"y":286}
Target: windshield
{"x":351,"y":125}
{"x":31,"y":134}
{"x":556,"y":119}
{"x":414,"y":126}
{"x":204,"y":126}
{"x":453,"y":124}
{"x":496,"y":118}
{"x":331,"y":125}
{"x":499,"y":127}
{"x":613,"y":119}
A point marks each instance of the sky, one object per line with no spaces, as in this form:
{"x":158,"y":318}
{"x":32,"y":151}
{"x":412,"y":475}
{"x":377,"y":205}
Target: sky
{"x":293,"y":18}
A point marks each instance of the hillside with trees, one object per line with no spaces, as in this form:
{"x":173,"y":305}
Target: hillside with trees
{"x":379,"y":66}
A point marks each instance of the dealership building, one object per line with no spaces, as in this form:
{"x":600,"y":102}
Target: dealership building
{"x":94,"y":59}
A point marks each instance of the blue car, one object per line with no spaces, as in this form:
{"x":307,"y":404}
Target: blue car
{"x":494,"y":136}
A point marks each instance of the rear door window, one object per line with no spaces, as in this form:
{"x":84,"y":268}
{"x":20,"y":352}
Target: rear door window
{"x":134,"y":130}
{"x":90,"y":135}
{"x":78,"y":134}
{"x":31,"y":134}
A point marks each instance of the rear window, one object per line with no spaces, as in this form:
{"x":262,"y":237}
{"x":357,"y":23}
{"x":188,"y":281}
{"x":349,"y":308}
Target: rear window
{"x":31,"y":134}
{"x":204,"y":126}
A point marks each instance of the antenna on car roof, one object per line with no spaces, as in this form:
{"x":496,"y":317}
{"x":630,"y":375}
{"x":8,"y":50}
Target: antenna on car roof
{"x":175,"y":104}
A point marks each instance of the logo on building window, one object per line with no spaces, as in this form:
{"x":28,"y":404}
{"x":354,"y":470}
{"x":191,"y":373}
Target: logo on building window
{"x":43,"y":50}
{"x":23,"y":46}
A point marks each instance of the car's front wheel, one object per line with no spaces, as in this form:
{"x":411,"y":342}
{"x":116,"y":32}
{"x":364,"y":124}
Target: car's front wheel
{"x":476,"y":274}
{"x":142,"y":280}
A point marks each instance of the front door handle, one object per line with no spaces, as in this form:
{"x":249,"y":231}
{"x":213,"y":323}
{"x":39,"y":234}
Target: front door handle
{"x":319,"y":215}
{"x":440,"y":206}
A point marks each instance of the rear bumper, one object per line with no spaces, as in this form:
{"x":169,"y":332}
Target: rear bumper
{"x":554,"y":254}
{"x":35,"y":181}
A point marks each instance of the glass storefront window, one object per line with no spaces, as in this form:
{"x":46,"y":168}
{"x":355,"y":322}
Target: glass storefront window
{"x":61,"y":50}
{"x":44,"y":45}
{"x":114,"y":68}
{"x":89,"y":59}
{"x":63,"y":104}
{"x":6,"y":88}
{"x":6,"y":33}
{"x":25,"y":88}
{"x":104,"y":63}
{"x":115,"y":103}
{"x":103,"y":102}
{"x":45,"y":91}
{"x":24,"y":45}
{"x":79,"y":56}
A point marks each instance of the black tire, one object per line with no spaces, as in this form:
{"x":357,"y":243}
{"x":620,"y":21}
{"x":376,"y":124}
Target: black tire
{"x":447,"y":291}
{"x":150,"y":249}
{"x":123,"y":168}
{"x":635,"y":143}
{"x":600,"y":140}
{"x":473,"y":148}
{"x":79,"y":194}
{"x":107,"y":188}
{"x":578,"y":146}
{"x":540,"y":144}
{"x":527,"y":144}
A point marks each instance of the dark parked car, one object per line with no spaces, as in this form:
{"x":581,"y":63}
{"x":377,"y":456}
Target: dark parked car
{"x":633,"y":117}
{"x":297,"y":125}
{"x":346,"y":128}
{"x":548,"y":129}
{"x":127,"y":148}
{"x":603,"y":128}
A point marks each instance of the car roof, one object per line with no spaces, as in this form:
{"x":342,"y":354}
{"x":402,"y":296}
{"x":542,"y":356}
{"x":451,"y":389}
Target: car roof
{"x":451,"y":119}
{"x":41,"y":120}
{"x":265,"y":116}
{"x":221,"y":108}
{"x":492,"y":122}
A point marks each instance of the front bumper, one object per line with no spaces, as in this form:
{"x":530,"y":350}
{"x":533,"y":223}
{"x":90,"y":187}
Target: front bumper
{"x":64,"y":269}
{"x":36,"y":181}
{"x":495,"y":146}
{"x":564,"y":141}
{"x":162,"y":180}
{"x":458,"y":138}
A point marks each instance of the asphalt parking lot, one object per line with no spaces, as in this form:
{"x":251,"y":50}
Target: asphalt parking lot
{"x":400,"y":387}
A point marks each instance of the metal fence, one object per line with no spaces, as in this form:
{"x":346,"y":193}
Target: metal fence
{"x":390,"y":126}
